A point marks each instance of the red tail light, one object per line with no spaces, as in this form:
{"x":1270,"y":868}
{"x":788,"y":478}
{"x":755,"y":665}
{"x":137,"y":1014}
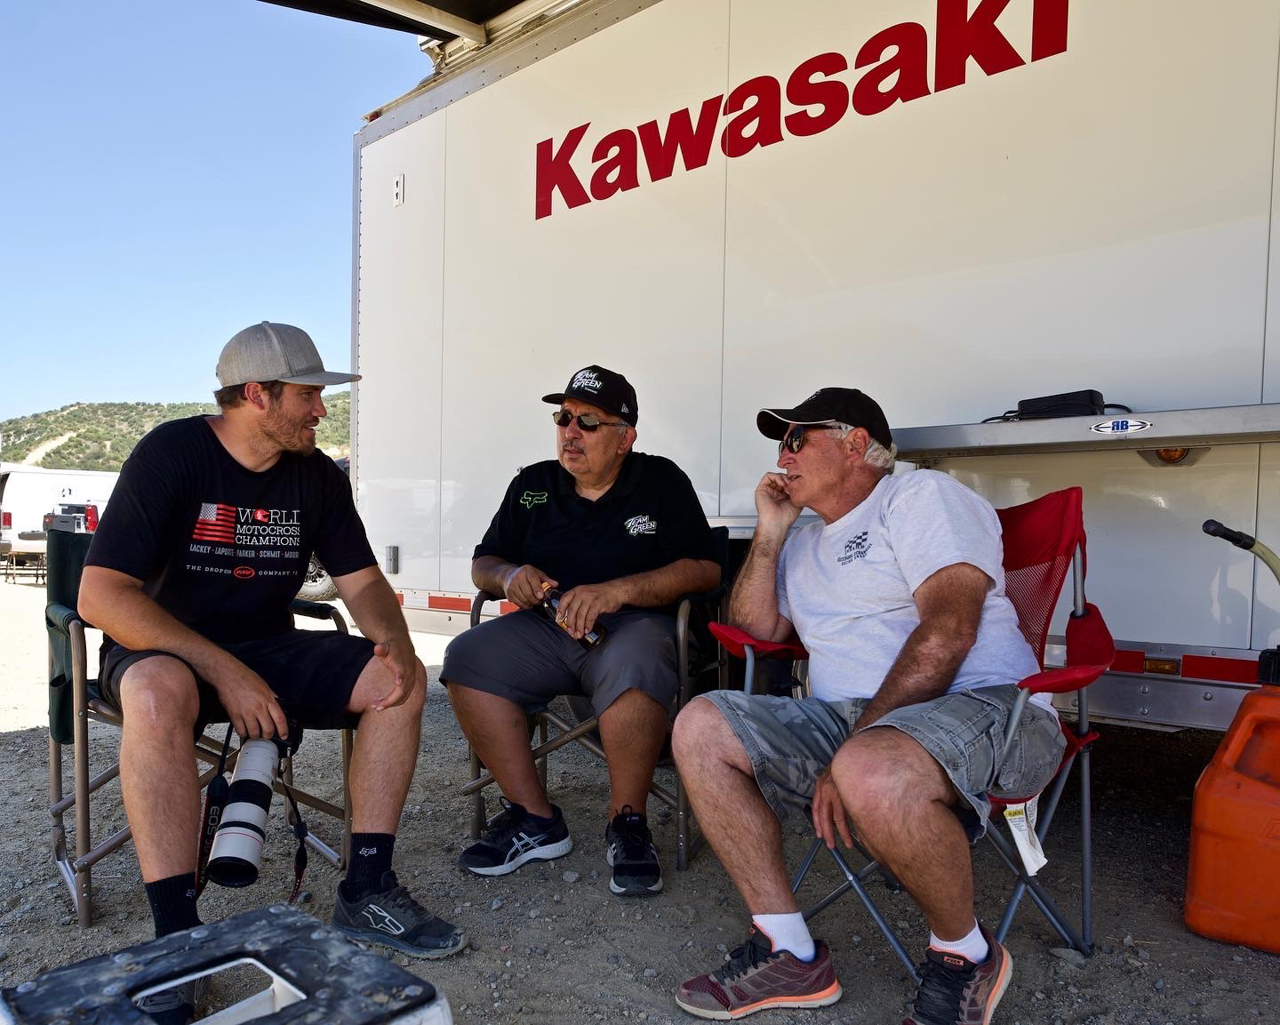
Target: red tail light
{"x":6,"y":521}
{"x":90,"y":518}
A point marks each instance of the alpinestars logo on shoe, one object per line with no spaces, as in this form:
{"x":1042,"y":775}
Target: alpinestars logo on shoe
{"x":382,"y":920}
{"x":855,"y":548}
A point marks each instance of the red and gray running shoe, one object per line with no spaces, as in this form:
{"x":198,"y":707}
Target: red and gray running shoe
{"x":756,"y":979}
{"x":955,"y":991}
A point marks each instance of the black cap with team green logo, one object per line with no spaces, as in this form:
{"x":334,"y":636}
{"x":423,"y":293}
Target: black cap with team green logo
{"x":603,"y":388}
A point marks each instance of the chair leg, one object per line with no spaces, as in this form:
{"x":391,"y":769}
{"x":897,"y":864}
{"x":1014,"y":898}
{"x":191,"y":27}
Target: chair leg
{"x":83,"y":882}
{"x":348,"y":744}
{"x":854,"y":881}
{"x":477,"y":800}
{"x":1086,"y":853}
{"x":1043,"y":901}
{"x":542,"y":762}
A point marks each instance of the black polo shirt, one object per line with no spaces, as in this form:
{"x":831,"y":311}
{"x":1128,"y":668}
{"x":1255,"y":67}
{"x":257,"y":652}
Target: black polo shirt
{"x":649,"y":518}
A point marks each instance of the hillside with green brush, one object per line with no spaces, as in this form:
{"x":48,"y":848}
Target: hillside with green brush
{"x":100,"y":435}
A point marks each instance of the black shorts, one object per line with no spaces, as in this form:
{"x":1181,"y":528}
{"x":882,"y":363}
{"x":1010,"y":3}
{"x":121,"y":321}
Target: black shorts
{"x":526,"y":658}
{"x":311,"y":672}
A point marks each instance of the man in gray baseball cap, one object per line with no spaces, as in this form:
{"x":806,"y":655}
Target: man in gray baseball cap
{"x":192,"y":572}
{"x":274,"y":352}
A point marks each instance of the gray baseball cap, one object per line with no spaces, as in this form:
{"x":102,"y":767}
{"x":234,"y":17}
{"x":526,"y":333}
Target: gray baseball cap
{"x":274,"y":352}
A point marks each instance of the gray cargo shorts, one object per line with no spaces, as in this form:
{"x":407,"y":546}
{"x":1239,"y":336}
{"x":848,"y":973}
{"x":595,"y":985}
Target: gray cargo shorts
{"x":526,"y":658}
{"x":790,"y":741}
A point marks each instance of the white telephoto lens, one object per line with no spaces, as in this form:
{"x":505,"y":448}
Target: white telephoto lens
{"x":237,"y":845}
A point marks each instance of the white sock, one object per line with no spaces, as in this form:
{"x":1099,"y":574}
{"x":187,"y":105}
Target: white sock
{"x":974,"y":946}
{"x":787,"y":932}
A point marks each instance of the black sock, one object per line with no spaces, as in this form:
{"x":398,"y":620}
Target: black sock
{"x":370,"y":860}
{"x":173,"y":903}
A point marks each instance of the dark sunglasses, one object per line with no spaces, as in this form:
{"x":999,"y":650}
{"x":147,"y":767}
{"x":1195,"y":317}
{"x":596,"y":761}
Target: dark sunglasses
{"x":794,"y":439}
{"x":586,"y":421}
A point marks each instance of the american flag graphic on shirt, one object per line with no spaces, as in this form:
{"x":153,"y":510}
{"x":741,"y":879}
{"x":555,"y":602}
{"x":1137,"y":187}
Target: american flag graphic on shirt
{"x":217,"y":522}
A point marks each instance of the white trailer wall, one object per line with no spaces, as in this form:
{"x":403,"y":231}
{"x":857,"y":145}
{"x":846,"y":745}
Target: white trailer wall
{"x":1099,"y":218}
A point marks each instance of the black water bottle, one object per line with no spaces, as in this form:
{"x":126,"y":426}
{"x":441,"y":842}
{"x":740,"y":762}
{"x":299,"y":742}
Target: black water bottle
{"x":551,"y":603}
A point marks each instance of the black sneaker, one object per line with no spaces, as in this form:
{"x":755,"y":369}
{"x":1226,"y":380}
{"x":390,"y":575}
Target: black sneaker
{"x":176,"y":1005}
{"x":632,"y":856}
{"x":955,"y":991}
{"x":515,"y":837}
{"x":394,"y":919}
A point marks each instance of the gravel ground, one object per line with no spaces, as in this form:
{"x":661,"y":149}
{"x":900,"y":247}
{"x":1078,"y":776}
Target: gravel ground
{"x":550,"y":943}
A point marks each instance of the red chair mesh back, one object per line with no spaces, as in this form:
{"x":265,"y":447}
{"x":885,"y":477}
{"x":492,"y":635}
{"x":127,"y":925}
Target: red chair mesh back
{"x":1039,"y":539}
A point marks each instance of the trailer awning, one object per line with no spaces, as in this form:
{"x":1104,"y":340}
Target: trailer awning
{"x":445,"y":20}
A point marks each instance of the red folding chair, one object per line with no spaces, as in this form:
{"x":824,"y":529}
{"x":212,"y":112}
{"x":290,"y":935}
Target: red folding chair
{"x":1042,"y":540}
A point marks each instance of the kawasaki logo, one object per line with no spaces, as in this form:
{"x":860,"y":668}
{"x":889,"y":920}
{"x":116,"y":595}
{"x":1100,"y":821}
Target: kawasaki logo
{"x":896,"y":60}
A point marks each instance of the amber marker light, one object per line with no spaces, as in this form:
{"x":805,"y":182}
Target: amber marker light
{"x":1172,"y":455}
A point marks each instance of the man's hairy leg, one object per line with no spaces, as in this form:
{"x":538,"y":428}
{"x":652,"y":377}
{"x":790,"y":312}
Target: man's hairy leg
{"x":385,"y":751}
{"x":158,"y":777}
{"x":901,"y":802}
{"x":732,"y":813}
{"x":632,"y":730}
{"x":498,"y":731}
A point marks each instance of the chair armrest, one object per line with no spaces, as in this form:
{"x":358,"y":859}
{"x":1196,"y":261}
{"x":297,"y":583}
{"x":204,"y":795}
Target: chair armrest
{"x":477,"y":603}
{"x":319,"y":610}
{"x":1063,"y":680}
{"x":60,"y":617}
{"x":312,"y":609}
{"x":736,"y":642}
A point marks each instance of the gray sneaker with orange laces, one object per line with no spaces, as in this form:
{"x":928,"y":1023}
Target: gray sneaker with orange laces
{"x":757,"y":979}
{"x":955,"y":991}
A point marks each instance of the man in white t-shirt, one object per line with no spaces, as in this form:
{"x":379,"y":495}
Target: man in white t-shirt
{"x":897,"y":592}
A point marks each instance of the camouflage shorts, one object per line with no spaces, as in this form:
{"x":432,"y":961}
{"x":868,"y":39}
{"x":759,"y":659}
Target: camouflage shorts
{"x":791,"y":741}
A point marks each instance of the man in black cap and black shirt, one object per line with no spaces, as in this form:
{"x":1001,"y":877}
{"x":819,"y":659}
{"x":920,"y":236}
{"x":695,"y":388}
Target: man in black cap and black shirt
{"x":620,"y":535}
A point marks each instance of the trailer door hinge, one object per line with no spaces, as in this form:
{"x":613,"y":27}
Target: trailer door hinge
{"x":397,"y":191}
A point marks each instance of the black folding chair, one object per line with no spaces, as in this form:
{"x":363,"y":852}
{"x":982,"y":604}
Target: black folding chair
{"x":75,"y":701}
{"x":698,"y":657}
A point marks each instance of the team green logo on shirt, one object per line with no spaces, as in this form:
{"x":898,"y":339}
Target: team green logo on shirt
{"x":531,"y":498}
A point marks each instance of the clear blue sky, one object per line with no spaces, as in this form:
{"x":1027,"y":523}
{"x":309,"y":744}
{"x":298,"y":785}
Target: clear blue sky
{"x":173,"y":171}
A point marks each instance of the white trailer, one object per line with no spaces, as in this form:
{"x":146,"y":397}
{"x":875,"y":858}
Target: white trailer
{"x":951,"y":205}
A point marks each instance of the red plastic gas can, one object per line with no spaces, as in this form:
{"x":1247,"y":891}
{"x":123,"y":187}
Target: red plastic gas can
{"x":1233,"y":876}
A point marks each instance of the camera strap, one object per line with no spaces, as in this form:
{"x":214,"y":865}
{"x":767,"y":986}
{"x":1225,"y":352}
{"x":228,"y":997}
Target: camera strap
{"x":215,"y":802}
{"x":300,"y":831}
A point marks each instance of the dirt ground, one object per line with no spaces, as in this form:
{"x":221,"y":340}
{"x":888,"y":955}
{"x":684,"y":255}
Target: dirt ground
{"x":550,"y":943}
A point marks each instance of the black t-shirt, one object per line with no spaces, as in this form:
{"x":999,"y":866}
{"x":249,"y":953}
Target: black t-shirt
{"x":221,"y":548}
{"x":649,"y":518}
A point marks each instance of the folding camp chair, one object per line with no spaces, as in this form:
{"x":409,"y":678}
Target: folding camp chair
{"x":697,"y":656}
{"x":74,"y":700}
{"x":1042,"y":539}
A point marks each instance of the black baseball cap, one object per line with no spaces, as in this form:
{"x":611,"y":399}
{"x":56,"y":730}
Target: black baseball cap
{"x":600,"y":387}
{"x":845,"y":405}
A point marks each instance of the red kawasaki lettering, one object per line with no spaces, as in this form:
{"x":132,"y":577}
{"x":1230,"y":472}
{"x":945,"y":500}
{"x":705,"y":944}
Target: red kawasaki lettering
{"x":617,"y":173}
{"x":764,"y":116}
{"x":1048,"y":28}
{"x":556,"y":174}
{"x":803,"y":91}
{"x":961,"y":36}
{"x":910,"y":63}
{"x":693,"y":144}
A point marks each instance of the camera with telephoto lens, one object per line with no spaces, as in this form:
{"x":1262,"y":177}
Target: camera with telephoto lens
{"x":237,"y":844}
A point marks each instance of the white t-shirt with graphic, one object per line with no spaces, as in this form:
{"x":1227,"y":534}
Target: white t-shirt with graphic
{"x":847,"y":586}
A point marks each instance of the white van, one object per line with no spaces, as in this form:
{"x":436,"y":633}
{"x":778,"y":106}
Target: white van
{"x":29,"y":493}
